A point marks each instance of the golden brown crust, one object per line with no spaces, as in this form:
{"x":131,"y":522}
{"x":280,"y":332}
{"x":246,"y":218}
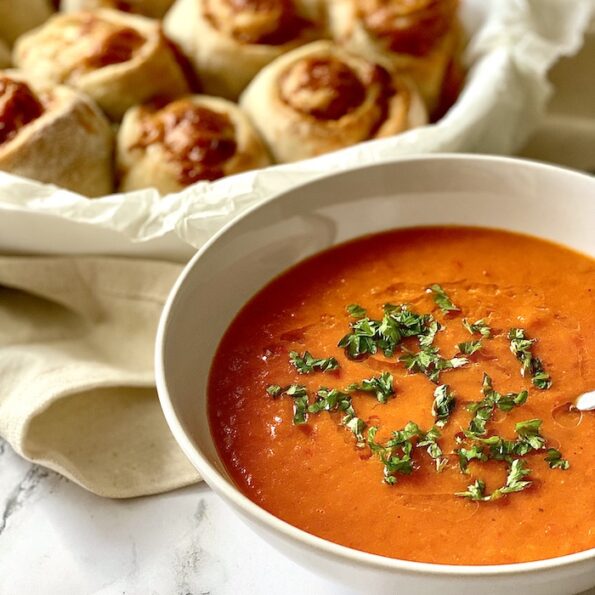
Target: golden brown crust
{"x":320,"y":98}
{"x":229,"y":41}
{"x":54,"y":134}
{"x":263,"y":22}
{"x":420,"y":37}
{"x":413,"y":27}
{"x":118,"y":59}
{"x":196,"y":138}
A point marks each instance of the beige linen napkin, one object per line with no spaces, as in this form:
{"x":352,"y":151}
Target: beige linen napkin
{"x":76,"y":371}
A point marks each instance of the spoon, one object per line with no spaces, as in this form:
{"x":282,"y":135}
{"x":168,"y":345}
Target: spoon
{"x":586,"y":401}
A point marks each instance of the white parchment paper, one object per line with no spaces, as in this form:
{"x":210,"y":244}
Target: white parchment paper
{"x":513,"y":43}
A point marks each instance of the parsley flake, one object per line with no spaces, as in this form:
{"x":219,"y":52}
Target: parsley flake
{"x":555,"y":461}
{"x":428,"y":361}
{"x":478,"y":327}
{"x":442,"y":300}
{"x":381,"y":385}
{"x":521,"y":347}
{"x":356,"y":311}
{"x":307,"y":363}
{"x":515,"y":482}
{"x":469,"y":347}
{"x":484,"y":409}
{"x":300,"y":400}
{"x":443,"y":405}
{"x":337,"y":400}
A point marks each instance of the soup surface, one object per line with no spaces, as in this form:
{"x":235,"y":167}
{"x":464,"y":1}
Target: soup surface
{"x":497,"y":466}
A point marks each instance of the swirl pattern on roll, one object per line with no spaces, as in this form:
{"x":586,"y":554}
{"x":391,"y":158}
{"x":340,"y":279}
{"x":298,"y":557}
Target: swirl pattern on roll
{"x":320,"y":98}
{"x":196,"y":138}
{"x":229,"y":41}
{"x":118,"y":59}
{"x":412,"y":27}
{"x":422,"y":37}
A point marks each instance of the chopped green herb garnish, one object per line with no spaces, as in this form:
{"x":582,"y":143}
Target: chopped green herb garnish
{"x":529,"y":433}
{"x":521,"y":347}
{"x":362,"y":338}
{"x":475,"y":491}
{"x":381,"y":385}
{"x":428,"y":361}
{"x":356,"y":311}
{"x":442,"y":300}
{"x":357,"y":426}
{"x":330,"y":400}
{"x":368,"y":336}
{"x":337,"y":400}
{"x":306,"y":364}
{"x":396,"y":453}
{"x":469,"y":347}
{"x":274,"y":390}
{"x":483,"y":410}
{"x":432,"y":327}
{"x":555,"y":461}
{"x":466,"y":455}
{"x":300,"y":400}
{"x":300,"y":403}
{"x":515,"y":482}
{"x":478,"y":327}
{"x":433,"y":448}
{"x":444,"y":402}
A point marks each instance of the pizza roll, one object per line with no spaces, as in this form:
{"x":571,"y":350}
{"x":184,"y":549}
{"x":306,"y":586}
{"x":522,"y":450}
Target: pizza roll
{"x":229,"y":41}
{"x":149,"y":8}
{"x":421,"y":37}
{"x":320,"y":98}
{"x":54,"y":134}
{"x":19,"y":16}
{"x":191,"y":139}
{"x":118,"y":59}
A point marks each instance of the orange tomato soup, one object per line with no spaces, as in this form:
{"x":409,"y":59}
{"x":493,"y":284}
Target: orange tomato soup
{"x":391,"y":499}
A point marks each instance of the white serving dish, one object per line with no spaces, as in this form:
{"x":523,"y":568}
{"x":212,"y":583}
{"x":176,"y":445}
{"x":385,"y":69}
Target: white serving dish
{"x":496,"y":192}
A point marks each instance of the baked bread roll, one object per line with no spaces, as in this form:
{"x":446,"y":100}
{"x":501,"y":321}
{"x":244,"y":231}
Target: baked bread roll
{"x":320,"y":98}
{"x":54,"y":134}
{"x":191,"y":139}
{"x":118,"y":59}
{"x":4,"y":55}
{"x":20,"y":16}
{"x":229,"y":41}
{"x":149,"y":8}
{"x":420,"y":37}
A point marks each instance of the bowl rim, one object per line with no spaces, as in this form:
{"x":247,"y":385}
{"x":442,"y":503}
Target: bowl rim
{"x":227,"y":490}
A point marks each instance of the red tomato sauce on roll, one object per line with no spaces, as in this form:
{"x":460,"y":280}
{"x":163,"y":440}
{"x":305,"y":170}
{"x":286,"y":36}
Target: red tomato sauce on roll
{"x":410,"y":394}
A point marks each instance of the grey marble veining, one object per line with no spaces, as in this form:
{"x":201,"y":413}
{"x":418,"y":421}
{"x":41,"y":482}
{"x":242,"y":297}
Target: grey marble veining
{"x":56,"y":538}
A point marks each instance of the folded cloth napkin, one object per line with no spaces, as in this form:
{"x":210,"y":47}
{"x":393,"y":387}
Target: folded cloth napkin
{"x":76,"y":371}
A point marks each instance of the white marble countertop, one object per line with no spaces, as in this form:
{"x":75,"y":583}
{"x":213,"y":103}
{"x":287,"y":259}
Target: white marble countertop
{"x":56,"y":538}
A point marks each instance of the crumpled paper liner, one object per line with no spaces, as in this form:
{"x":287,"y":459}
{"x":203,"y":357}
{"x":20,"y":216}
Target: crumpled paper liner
{"x":513,"y":44}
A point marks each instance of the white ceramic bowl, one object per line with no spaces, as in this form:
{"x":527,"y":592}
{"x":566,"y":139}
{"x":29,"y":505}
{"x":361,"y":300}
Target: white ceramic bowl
{"x":448,"y":189}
